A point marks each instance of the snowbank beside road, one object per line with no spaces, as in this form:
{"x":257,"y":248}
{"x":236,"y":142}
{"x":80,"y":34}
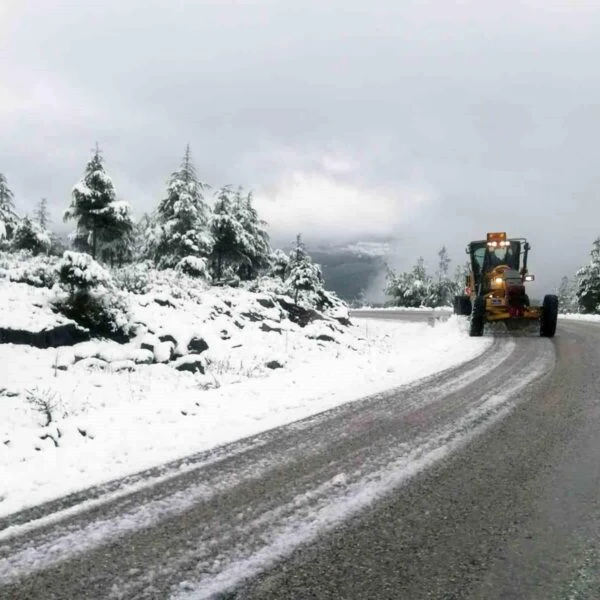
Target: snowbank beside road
{"x":108,"y":423}
{"x":400,"y":309}
{"x":579,"y":317}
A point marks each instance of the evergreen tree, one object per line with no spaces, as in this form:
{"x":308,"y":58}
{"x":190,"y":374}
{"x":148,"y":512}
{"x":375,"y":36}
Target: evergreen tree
{"x":8,"y":216}
{"x":146,"y":235}
{"x":183,"y":217}
{"x":567,"y":296}
{"x":460,"y":277}
{"x":414,"y":288}
{"x":229,"y":237}
{"x":41,"y":214}
{"x":444,"y":288}
{"x":95,"y":209}
{"x":279,"y":262}
{"x":118,"y":238}
{"x":255,"y":246}
{"x":303,"y":276}
{"x":29,"y":236}
{"x":588,"y":287}
{"x":443,"y":264}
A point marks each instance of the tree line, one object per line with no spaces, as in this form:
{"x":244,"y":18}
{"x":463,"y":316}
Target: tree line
{"x":418,"y":288}
{"x":581,"y":292}
{"x":221,"y":238}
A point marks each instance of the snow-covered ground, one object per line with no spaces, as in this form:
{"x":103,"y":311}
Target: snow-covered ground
{"x":111,"y":415}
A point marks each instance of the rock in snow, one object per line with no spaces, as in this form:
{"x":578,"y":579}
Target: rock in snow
{"x":274,"y":364}
{"x":192,"y":363}
{"x":142,"y":356}
{"x":67,"y":334}
{"x":149,"y":341}
{"x":197,"y":345}
{"x":266,"y":326}
{"x":122,"y":365}
{"x":91,"y":364}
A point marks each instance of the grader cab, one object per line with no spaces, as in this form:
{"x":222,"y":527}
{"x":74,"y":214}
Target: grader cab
{"x":495,"y":287}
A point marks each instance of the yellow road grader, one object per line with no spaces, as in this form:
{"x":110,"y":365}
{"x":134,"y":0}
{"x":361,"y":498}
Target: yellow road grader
{"x":495,"y":287}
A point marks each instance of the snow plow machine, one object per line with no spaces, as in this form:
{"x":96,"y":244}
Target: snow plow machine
{"x":495,"y":288}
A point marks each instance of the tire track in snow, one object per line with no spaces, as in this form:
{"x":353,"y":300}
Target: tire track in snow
{"x":450,"y":408}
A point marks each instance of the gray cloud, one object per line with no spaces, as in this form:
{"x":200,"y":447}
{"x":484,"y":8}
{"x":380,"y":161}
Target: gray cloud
{"x":432,"y":122}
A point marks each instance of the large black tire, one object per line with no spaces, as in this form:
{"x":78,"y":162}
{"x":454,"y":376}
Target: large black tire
{"x":549,"y":316}
{"x":477,"y":317}
{"x":462,"y":305}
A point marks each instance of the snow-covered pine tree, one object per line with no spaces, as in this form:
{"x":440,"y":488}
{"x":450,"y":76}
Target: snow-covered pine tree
{"x":588,"y":287}
{"x":94,"y":207}
{"x":460,"y":277}
{"x":30,"y":236}
{"x":443,"y":264}
{"x":42,"y":215}
{"x":118,"y":237}
{"x":147,"y":233}
{"x":303,"y":276}
{"x":279,"y":262}
{"x":229,"y":237}
{"x":567,"y":296}
{"x":8,"y":216}
{"x":183,"y":217}
{"x":443,"y":289}
{"x":413,"y":288}
{"x":254,"y":240}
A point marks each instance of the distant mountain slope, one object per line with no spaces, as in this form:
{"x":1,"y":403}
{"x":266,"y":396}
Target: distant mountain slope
{"x":350,"y":269}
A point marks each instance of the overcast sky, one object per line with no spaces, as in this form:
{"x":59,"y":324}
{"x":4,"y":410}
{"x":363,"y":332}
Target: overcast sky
{"x":430,"y":122}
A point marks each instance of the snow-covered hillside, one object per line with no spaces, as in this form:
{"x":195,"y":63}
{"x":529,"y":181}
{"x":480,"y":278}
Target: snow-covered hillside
{"x":206,"y":366}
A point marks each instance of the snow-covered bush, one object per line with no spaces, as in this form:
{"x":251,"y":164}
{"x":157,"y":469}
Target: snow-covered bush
{"x":90,"y":297}
{"x":268,"y":285}
{"x":144,"y":278}
{"x":22,"y":267}
{"x":13,"y":260}
{"x":230,"y":276}
{"x":80,"y":271}
{"x":39,"y":272}
{"x":194,"y":267}
{"x":134,"y":278}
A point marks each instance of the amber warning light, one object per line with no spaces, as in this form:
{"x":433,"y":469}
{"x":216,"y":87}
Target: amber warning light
{"x":497,"y":240}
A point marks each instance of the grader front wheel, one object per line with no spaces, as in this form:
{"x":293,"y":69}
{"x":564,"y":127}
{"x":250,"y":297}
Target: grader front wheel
{"x":549,"y":316}
{"x":477,"y":317}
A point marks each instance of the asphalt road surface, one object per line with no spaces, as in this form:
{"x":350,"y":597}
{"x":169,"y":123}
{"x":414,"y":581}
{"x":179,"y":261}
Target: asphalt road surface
{"x":479,"y":482}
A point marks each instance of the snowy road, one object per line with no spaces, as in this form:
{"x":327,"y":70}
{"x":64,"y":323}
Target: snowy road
{"x":403,"y":314}
{"x":220,"y":519}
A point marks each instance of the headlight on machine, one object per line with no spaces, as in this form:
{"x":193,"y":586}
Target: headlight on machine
{"x":498,"y":280}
